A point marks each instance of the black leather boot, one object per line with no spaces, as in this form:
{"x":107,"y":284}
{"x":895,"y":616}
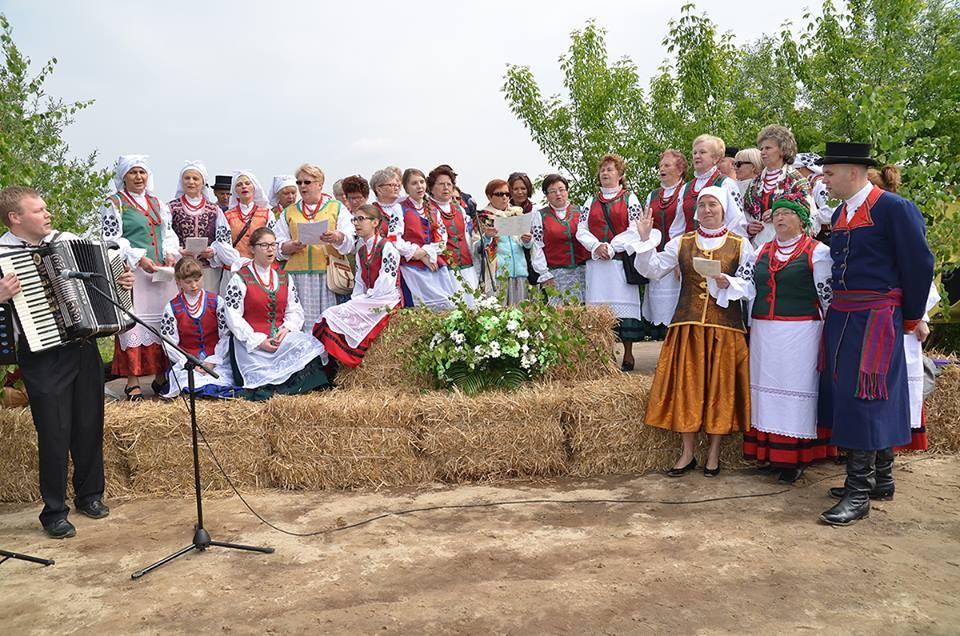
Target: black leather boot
{"x":884,"y":488}
{"x":861,"y":479}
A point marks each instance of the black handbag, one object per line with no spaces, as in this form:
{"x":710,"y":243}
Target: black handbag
{"x":629,"y":268}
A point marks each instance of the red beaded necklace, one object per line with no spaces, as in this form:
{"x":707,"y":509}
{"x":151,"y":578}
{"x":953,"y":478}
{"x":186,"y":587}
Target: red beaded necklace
{"x":267,"y":286}
{"x":791,"y":252}
{"x":666,"y":203}
{"x":195,"y":307}
{"x":707,"y":233}
{"x":190,"y":206}
{"x":309,"y":214}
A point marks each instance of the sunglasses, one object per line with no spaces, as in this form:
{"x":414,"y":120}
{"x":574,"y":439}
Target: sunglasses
{"x":304,"y":182}
{"x":501,"y":194}
{"x":740,"y":164}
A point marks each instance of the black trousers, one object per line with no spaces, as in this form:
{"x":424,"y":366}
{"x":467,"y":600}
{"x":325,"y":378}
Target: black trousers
{"x":65,"y":386}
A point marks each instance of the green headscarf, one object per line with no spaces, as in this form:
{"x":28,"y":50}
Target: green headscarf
{"x":798,"y":208}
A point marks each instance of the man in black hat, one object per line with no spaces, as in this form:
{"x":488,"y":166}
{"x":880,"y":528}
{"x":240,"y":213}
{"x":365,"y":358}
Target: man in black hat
{"x":882,"y":270}
{"x":221,"y":187}
{"x":726,"y":165}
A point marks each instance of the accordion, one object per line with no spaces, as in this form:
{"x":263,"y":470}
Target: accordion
{"x":53,"y":310}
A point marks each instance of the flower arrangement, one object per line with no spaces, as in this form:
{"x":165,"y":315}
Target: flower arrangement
{"x":489,"y":346}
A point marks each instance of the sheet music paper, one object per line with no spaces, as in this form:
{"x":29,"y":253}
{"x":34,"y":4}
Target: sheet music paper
{"x":513,"y":225}
{"x":193,"y":245}
{"x":708,"y":268}
{"x":310,"y":233}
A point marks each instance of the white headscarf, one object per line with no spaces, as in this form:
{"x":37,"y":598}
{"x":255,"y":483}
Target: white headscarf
{"x":717,"y":193}
{"x":280,"y":182}
{"x":206,"y":192}
{"x":258,"y":196}
{"x":126,"y":163}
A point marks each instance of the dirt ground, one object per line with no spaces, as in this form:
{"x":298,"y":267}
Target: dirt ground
{"x":750,"y":565}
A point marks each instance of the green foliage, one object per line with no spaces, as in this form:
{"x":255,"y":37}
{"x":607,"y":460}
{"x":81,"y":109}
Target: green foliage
{"x":490,"y":346}
{"x":32,"y":150}
{"x":883,"y":71}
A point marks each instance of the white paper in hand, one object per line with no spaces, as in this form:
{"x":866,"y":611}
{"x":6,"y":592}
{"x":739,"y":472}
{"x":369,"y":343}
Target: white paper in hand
{"x":310,"y":233}
{"x":163,"y":275}
{"x":765,"y":235}
{"x":193,"y":245}
{"x":706,"y":267}
{"x":513,"y":225}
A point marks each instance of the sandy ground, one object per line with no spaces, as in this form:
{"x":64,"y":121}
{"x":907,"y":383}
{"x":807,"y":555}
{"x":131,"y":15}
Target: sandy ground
{"x":753,"y":565}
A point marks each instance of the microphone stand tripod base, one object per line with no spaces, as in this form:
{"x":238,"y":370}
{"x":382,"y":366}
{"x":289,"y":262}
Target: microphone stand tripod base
{"x":201,"y":541}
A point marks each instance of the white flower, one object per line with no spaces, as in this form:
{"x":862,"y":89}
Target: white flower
{"x":512,"y":325}
{"x":478,"y":350}
{"x":523,"y":334}
{"x":494,"y":349}
{"x":525,"y":348}
{"x":528,"y":360}
{"x":489,"y":302}
{"x":435,"y":341}
{"x":457,"y":337}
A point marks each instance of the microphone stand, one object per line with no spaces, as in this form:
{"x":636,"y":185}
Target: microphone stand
{"x":23,"y":557}
{"x":201,"y":538}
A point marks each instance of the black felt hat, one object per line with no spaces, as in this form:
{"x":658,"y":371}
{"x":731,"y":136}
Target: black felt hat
{"x":731,"y":152}
{"x":847,"y":152}
{"x":222,"y":182}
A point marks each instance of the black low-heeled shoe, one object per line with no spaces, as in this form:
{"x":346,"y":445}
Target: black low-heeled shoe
{"x":711,"y":472}
{"x":790,"y":475}
{"x":131,"y":396}
{"x":679,"y":472}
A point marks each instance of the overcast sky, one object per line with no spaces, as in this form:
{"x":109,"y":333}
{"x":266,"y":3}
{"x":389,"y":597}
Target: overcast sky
{"x":351,"y":86}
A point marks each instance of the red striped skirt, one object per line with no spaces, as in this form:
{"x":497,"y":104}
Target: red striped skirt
{"x":783,"y":451}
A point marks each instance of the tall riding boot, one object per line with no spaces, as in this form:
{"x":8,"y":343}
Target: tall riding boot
{"x":861,"y":479}
{"x":884,"y":488}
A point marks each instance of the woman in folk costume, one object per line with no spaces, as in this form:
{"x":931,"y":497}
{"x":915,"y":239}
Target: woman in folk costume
{"x":702,"y":381}
{"x":707,"y":151}
{"x":882,"y":272}
{"x":347,"y":330}
{"x":748,"y":165}
{"x":425,"y":277}
{"x":521,"y":189}
{"x":792,"y":279}
{"x":196,"y":321}
{"x":307,"y":264}
{"x":606,"y":230}
{"x":557,"y":256}
{"x":270,"y":352}
{"x":777,"y":180}
{"x":283,"y":193}
{"x":140,"y":223}
{"x":385,"y":185}
{"x":441,"y":183}
{"x":501,"y":256}
{"x":247,"y":211}
{"x":660,"y":295}
{"x":195,"y":214}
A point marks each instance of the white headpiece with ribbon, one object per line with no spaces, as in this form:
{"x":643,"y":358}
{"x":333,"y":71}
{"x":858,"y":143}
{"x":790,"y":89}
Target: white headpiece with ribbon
{"x":280,"y":182}
{"x":258,"y":195}
{"x":126,"y":163}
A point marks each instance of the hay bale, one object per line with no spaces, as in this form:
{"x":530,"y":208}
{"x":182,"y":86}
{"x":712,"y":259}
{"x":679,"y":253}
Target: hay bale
{"x":344,"y":439}
{"x":155,"y":440}
{"x":604,"y":425}
{"x":943,"y":413}
{"x":493,"y":435}
{"x":19,"y":461}
{"x":384,"y":368}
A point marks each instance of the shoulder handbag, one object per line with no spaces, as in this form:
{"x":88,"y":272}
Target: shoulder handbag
{"x":340,"y":276}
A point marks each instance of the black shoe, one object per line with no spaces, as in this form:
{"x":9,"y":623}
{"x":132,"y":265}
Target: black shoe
{"x":131,"y":396}
{"x":884,"y":474}
{"x":60,"y":529}
{"x":861,"y":480}
{"x":711,"y":472}
{"x":159,"y":388}
{"x":790,"y":475}
{"x":96,"y":509}
{"x":679,"y":472}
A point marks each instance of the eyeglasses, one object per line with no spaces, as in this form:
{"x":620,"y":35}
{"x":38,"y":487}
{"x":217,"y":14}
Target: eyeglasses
{"x":266,"y":246}
{"x":501,"y":194}
{"x":556,"y":191}
{"x":389,"y":185}
{"x":304,"y":182}
{"x":359,"y":218}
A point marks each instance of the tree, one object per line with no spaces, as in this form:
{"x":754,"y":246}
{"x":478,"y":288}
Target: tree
{"x":32,"y":150}
{"x":883,"y":71}
{"x":605,"y":111}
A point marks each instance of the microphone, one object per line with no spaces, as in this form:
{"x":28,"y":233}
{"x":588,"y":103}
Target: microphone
{"x":69,"y":273}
